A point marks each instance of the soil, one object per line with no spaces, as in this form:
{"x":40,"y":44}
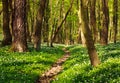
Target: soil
{"x":55,"y":69}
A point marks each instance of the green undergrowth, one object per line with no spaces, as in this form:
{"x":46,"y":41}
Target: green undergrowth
{"x":26,"y":67}
{"x":77,"y":68}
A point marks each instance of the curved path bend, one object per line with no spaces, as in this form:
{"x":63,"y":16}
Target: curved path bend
{"x":55,"y":69}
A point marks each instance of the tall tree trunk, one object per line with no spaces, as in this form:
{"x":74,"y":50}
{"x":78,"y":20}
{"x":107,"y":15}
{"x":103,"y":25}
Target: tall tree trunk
{"x":66,"y":31}
{"x":27,"y":21}
{"x":70,"y":32}
{"x":19,"y":27}
{"x":87,"y":34}
{"x":115,"y":19}
{"x":105,"y":23}
{"x":38,"y":25}
{"x":32,"y":16}
{"x":60,"y":36}
{"x":11,"y":6}
{"x":7,"y":39}
{"x":98,"y":18}
{"x":46,"y":23}
{"x":81,"y":38}
{"x":93,"y":19}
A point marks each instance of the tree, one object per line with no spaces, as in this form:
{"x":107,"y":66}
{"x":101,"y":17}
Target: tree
{"x":11,"y":14}
{"x":105,"y":23}
{"x":87,"y":34}
{"x":19,"y":27}
{"x":115,"y":19}
{"x":27,"y":20}
{"x":93,"y":19}
{"x":81,"y":38}
{"x":38,"y":25}
{"x":7,"y":37}
{"x":46,"y":28}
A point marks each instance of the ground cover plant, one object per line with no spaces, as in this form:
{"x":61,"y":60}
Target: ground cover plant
{"x":77,"y":68}
{"x":26,"y":67}
{"x":67,"y":22}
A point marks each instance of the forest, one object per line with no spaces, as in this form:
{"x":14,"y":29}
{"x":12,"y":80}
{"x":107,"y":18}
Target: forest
{"x":59,"y":41}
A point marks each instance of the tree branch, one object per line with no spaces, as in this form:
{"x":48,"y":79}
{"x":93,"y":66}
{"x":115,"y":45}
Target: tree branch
{"x":59,"y":27}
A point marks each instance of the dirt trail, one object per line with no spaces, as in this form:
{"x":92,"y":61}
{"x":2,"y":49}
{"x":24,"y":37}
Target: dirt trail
{"x":55,"y":69}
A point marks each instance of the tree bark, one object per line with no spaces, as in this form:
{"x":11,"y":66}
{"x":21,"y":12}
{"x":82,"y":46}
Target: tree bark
{"x":105,"y":23}
{"x":11,"y":6}
{"x":66,"y":31}
{"x":88,"y":35}
{"x":115,"y":19}
{"x":93,"y":19}
{"x":38,"y":25}
{"x":7,"y":37}
{"x":19,"y":27}
{"x":99,"y":18}
{"x":81,"y":38}
{"x":46,"y":23}
{"x":27,"y":22}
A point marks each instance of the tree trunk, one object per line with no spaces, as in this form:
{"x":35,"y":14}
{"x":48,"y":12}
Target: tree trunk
{"x":46,"y":23}
{"x":11,"y":6}
{"x":93,"y":19}
{"x":105,"y":23}
{"x":19,"y":27}
{"x":98,"y":18}
{"x":88,"y":35}
{"x":81,"y":38}
{"x":38,"y":25}
{"x":27,"y":21}
{"x":7,"y":39}
{"x":79,"y":35}
{"x":66,"y":31}
{"x":115,"y":19}
{"x":71,"y":32}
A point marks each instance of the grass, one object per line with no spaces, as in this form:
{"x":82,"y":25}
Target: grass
{"x":26,"y":67}
{"x":77,"y":68}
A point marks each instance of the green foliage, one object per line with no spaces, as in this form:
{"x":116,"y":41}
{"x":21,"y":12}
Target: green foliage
{"x":77,"y":68}
{"x":26,"y":67}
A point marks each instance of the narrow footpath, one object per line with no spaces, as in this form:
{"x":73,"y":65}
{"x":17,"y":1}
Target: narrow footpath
{"x":55,"y":69}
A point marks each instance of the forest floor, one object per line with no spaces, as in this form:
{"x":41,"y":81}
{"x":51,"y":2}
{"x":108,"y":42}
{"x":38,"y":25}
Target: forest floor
{"x":77,"y":68}
{"x":28,"y":66}
{"x":55,"y":69}
{"x":58,"y":65}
